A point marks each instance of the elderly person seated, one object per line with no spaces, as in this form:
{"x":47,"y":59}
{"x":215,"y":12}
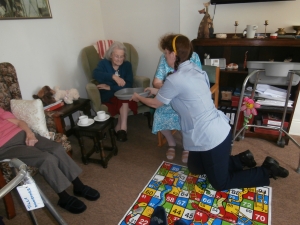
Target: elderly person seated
{"x":54,"y":164}
{"x":114,"y":73}
{"x":165,"y":118}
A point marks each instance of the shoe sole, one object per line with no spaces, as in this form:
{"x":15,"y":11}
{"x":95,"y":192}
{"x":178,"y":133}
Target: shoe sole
{"x":284,"y":173}
{"x":253,"y":162}
{"x":269,"y":159}
{"x":272,"y":162}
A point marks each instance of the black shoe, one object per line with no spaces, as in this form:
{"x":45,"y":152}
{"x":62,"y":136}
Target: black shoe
{"x":122,"y":135}
{"x":274,"y":169}
{"x":159,"y":216}
{"x":88,"y":193}
{"x":247,"y":159}
{"x":73,"y":205}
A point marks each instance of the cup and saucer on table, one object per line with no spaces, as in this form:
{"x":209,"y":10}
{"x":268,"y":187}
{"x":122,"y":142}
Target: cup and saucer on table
{"x":101,"y":116}
{"x":85,"y":121}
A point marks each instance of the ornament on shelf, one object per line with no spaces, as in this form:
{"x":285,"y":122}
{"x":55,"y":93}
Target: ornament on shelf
{"x":266,"y":24}
{"x":206,"y":27}
{"x":236,"y":23}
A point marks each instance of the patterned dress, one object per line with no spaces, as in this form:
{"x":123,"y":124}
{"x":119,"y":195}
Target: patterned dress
{"x":165,"y":118}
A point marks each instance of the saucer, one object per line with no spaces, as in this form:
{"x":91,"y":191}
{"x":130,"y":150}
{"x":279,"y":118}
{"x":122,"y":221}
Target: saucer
{"x":98,"y":120}
{"x":91,"y":121}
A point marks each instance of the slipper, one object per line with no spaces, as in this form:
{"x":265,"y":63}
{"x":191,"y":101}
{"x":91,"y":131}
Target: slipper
{"x":73,"y":205}
{"x":122,"y":135}
{"x":88,"y":193}
{"x":171,"y":153}
{"x":185,"y":156}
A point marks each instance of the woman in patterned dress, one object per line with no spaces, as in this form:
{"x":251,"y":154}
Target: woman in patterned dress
{"x":165,"y":118}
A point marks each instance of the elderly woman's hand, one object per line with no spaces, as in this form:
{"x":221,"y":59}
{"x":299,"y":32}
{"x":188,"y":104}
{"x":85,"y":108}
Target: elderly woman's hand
{"x":103,"y":87}
{"x":119,"y":80}
{"x":30,"y":139}
{"x":152,"y":91}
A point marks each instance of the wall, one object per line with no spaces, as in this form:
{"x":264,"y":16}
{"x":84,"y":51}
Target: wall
{"x":279,"y":14}
{"x":141,"y":23}
{"x":46,"y":51}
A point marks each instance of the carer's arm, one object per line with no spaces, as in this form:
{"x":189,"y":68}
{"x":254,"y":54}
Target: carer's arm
{"x":152,"y":102}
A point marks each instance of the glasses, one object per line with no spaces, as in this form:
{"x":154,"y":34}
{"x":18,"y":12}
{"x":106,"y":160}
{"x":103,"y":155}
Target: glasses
{"x":118,"y":56}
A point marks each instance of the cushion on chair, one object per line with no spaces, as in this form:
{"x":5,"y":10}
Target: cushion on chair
{"x":32,"y":112}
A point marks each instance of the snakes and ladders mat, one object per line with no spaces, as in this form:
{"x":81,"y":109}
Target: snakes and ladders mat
{"x":191,"y":198}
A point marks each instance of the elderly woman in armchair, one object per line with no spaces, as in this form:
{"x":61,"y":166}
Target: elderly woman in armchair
{"x":113,"y":73}
{"x":54,"y":164}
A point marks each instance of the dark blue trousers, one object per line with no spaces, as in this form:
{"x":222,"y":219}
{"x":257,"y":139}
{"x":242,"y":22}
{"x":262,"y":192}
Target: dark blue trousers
{"x":225,"y":171}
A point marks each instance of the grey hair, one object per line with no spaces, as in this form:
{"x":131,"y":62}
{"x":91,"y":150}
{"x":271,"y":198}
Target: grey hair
{"x":115,"y":45}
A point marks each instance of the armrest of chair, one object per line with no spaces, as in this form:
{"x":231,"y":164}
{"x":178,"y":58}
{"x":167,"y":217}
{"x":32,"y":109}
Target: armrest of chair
{"x":94,"y":96}
{"x":141,"y":81}
{"x":213,"y":73}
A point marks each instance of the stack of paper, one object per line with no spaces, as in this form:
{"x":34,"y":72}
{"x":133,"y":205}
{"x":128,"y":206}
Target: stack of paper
{"x":271,"y":102}
{"x":272,"y":96}
{"x":271,"y":91}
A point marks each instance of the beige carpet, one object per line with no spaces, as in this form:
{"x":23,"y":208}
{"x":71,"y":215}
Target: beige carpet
{"x":137,"y":160}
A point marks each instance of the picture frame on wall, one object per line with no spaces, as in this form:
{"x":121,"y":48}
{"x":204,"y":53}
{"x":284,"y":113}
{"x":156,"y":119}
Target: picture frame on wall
{"x":24,"y":9}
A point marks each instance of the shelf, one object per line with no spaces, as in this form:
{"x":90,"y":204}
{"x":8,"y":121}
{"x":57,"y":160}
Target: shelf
{"x":276,"y":109}
{"x":239,"y":71}
{"x":234,"y":50}
{"x":247,"y":42}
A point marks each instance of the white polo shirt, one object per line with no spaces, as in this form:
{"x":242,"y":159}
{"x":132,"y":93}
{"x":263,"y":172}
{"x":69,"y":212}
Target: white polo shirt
{"x":188,"y":91}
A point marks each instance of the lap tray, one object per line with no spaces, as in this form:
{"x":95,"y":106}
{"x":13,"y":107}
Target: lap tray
{"x":126,"y":93}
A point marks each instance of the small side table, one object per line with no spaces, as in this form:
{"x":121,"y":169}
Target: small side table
{"x":66,"y":111}
{"x":97,"y":132}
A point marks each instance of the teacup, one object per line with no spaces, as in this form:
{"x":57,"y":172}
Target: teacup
{"x":83,"y":119}
{"x":101,"y":115}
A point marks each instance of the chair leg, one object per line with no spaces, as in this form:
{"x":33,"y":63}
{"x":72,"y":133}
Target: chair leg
{"x":149,"y":118}
{"x":8,"y":200}
{"x":161,"y":139}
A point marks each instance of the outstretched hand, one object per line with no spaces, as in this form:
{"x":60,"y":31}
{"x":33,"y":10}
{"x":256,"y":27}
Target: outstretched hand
{"x":152,"y":91}
{"x":135,"y":97}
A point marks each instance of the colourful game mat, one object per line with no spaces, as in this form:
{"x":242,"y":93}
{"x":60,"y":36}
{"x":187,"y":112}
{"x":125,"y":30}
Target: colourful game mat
{"x":191,"y":198}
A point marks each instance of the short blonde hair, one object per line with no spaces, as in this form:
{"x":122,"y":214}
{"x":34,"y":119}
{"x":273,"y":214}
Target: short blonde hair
{"x":115,"y":45}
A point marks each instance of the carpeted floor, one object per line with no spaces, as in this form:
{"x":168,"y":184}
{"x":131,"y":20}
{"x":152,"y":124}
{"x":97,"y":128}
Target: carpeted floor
{"x":137,"y":160}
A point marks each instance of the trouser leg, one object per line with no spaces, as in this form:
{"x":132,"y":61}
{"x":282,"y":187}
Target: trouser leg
{"x":224,"y":171}
{"x":49,"y":157}
{"x":223,"y":175}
